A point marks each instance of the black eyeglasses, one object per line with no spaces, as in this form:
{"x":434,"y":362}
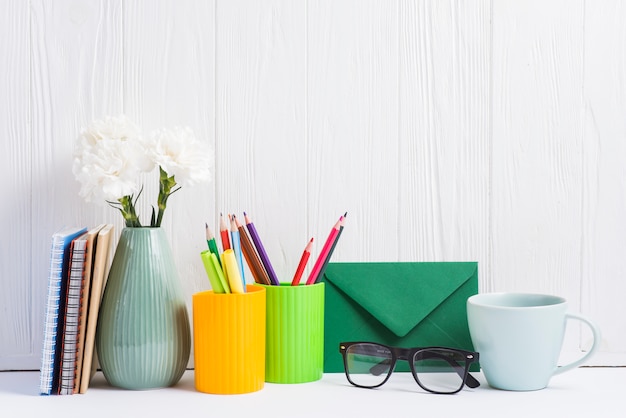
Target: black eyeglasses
{"x":435,"y":369}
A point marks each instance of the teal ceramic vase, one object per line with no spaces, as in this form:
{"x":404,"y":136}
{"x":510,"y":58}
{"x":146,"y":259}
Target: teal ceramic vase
{"x":143,"y":337}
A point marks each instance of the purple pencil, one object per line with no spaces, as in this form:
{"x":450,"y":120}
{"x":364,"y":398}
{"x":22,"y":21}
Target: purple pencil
{"x":261,"y":250}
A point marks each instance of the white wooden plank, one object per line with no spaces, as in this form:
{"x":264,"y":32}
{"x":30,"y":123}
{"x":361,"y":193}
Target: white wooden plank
{"x":352,"y":126}
{"x":537,"y":144}
{"x":17,"y":331}
{"x":169,"y":73}
{"x":603,"y":155}
{"x":537,"y":136}
{"x":169,"y":82}
{"x":75,"y":74}
{"x":445,"y":136}
{"x":261,"y":140}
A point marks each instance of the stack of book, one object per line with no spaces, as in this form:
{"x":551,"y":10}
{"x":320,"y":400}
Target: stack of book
{"x":79,"y":262}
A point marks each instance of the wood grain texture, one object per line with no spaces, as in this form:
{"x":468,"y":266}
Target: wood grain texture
{"x":445,"y":138}
{"x":75,"y":77}
{"x":21,"y":329}
{"x":352,"y":126}
{"x":490,"y":131}
{"x":604,"y":176}
{"x":537,"y":146}
{"x":260,"y":118}
{"x":169,"y":73}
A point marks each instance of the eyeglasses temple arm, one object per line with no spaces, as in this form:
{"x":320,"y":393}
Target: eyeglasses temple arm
{"x":380,"y":368}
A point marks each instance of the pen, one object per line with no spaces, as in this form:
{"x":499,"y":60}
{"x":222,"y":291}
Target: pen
{"x":210,"y":240}
{"x":235,"y":243}
{"x":323,"y":254}
{"x":224,"y":234}
{"x":305,"y":257}
{"x":261,"y":250}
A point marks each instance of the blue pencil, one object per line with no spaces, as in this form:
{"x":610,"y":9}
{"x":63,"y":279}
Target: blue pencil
{"x":236,"y":244}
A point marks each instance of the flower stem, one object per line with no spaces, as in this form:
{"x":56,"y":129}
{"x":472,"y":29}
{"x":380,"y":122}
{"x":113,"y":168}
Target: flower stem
{"x":128,"y":211}
{"x":166,"y":188}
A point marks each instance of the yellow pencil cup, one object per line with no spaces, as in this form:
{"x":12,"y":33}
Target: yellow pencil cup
{"x":295,"y":333}
{"x":229,"y":341}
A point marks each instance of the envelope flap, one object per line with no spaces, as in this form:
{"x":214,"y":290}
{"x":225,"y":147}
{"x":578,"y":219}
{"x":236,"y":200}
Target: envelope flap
{"x":400,"y":295}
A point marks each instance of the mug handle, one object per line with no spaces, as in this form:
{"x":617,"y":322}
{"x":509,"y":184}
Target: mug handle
{"x":596,"y":343}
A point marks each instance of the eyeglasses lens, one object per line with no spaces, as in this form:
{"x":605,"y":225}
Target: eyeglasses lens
{"x":440,"y":370}
{"x":368,"y":364}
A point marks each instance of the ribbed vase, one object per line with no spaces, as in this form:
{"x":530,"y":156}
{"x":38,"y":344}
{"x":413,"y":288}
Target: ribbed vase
{"x":143,"y":336}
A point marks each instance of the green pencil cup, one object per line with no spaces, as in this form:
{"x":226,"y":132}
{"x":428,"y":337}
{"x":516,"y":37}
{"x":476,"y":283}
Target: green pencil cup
{"x":294,"y":343}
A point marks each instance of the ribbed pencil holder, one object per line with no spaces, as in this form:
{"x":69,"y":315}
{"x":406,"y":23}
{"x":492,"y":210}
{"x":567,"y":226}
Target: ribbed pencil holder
{"x":229,"y":341}
{"x":295,"y":333}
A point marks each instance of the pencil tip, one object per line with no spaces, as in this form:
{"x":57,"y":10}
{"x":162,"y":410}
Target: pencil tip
{"x":345,"y":214}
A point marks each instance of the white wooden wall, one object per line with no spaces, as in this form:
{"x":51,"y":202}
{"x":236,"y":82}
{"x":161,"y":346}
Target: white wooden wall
{"x":487,"y":130}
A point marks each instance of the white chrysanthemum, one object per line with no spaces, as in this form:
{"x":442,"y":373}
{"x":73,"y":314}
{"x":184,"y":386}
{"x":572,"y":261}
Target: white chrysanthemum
{"x":180,"y":154}
{"x":109,"y":128}
{"x":109,"y":158}
{"x":111,"y":155}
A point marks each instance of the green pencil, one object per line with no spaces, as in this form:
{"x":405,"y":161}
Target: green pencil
{"x":210,"y":240}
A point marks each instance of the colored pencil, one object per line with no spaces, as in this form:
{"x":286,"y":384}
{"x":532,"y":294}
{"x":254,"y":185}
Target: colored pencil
{"x":324,"y":253}
{"x":261,"y":250}
{"x":224,"y":234}
{"x":330,"y":253}
{"x":210,"y":240}
{"x":305,"y":257}
{"x":235,"y":243}
{"x":252,"y":258}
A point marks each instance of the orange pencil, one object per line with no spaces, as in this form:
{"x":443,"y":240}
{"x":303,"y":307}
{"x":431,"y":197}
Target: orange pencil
{"x":305,"y":257}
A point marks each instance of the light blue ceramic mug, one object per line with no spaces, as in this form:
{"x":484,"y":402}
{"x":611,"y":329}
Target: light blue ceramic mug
{"x":519,"y":338}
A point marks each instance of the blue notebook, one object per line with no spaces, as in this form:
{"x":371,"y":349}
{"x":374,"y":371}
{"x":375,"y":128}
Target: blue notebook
{"x":53,"y":322}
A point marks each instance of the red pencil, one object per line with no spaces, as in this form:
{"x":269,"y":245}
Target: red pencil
{"x":332,"y":248}
{"x":323,"y":254}
{"x":224,"y":234}
{"x":305,"y":257}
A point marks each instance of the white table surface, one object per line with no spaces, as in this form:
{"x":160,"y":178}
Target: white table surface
{"x":586,"y":391}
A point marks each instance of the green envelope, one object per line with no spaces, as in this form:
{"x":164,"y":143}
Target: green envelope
{"x":405,"y":304}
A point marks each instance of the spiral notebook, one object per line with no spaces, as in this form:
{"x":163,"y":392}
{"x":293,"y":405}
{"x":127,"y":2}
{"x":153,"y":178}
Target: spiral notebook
{"x":58,"y":277}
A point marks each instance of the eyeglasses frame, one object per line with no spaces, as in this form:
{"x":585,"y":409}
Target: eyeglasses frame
{"x":399,"y":353}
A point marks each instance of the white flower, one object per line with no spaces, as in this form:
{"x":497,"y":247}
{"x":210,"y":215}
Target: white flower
{"x":111,"y":128}
{"x":109,"y":158}
{"x":180,"y":154}
{"x":111,"y":155}
{"x":104,"y":174}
